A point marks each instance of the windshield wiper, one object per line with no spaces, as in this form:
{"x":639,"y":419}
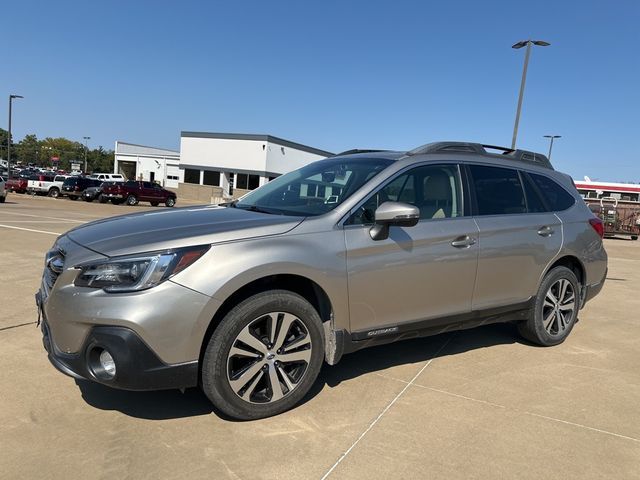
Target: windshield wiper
{"x":254,"y":208}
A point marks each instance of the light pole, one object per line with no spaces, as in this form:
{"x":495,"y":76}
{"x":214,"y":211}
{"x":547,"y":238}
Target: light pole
{"x":86,"y":139}
{"x":525,"y":43}
{"x":552,"y":137}
{"x":11,"y":97}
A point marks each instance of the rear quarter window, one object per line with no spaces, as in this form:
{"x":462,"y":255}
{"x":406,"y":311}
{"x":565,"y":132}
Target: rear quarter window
{"x":555,"y":196}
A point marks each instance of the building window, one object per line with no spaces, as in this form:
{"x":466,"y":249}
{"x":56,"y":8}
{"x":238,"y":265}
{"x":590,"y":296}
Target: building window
{"x":211,"y":178}
{"x":173,"y":177}
{"x":247,"y":182}
{"x":191,"y":176}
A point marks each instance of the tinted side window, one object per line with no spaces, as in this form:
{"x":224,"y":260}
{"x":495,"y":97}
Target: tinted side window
{"x":534,"y":202}
{"x":131,"y":184}
{"x":554,"y":195}
{"x":498,"y":190}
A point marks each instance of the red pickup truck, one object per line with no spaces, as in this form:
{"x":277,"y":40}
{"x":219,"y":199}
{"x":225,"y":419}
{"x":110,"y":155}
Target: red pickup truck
{"x":133,"y":192}
{"x":17,"y":184}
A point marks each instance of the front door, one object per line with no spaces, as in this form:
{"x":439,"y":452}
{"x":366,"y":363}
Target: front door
{"x":419,"y":273}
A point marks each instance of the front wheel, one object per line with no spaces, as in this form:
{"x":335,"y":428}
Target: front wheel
{"x":170,"y":202}
{"x":132,"y":200}
{"x":264,"y":356}
{"x":556,"y":309}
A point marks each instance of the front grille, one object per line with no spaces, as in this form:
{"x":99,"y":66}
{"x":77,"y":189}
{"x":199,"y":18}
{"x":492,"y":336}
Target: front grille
{"x":54,"y":264}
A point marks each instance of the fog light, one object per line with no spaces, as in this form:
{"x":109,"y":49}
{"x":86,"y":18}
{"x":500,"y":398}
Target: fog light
{"x":107,"y":364}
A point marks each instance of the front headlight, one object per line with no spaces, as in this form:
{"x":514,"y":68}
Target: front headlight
{"x":139,"y":272}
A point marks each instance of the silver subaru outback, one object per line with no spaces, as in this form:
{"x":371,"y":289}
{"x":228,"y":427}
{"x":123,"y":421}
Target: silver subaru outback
{"x":248,"y":299}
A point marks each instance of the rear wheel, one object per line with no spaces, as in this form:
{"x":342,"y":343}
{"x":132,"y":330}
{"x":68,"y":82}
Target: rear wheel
{"x":54,"y":192}
{"x":556,"y":309}
{"x":264,"y":356}
{"x":132,"y":200}
{"x":170,"y":202}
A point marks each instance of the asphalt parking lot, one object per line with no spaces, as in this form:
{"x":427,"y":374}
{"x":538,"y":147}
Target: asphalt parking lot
{"x":475,"y":404}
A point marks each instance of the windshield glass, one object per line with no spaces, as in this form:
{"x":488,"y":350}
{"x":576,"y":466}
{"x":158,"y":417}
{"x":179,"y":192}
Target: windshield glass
{"x":314,"y":189}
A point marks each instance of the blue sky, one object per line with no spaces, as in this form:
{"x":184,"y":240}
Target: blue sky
{"x":332,"y":74}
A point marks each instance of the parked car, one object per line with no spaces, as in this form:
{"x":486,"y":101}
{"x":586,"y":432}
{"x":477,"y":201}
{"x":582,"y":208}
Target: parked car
{"x":95,"y":193}
{"x":74,"y":186}
{"x":135,"y":191}
{"x":46,"y":184}
{"x":357,"y":250}
{"x":3,"y":190}
{"x":110,"y":177}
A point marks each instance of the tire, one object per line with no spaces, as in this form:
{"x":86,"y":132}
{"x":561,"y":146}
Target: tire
{"x":132,"y":200}
{"x":253,"y":375}
{"x":101,"y":199}
{"x":88,"y":199}
{"x":2,"y":199}
{"x":552,"y":319}
{"x":155,"y":204}
{"x":54,"y":192}
{"x":634,"y":237}
{"x":170,"y":202}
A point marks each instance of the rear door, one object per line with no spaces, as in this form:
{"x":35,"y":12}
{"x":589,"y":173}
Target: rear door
{"x":421,"y":273}
{"x":518,"y":237}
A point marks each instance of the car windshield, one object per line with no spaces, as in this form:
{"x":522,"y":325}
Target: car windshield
{"x":314,"y":189}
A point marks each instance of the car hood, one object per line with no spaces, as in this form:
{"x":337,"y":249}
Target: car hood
{"x":177,"y":227}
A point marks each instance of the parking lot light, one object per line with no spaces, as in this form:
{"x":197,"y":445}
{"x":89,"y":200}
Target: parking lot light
{"x":11,"y":97}
{"x":552,"y":137}
{"x":517,"y":46}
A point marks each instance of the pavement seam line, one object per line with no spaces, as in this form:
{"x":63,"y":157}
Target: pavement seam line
{"x":16,"y":326}
{"x":385,"y":410}
{"x":30,"y":230}
{"x":477,"y":400}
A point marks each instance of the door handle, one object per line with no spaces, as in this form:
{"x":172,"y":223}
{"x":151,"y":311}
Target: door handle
{"x":545,"y":231}
{"x":463,"y":242}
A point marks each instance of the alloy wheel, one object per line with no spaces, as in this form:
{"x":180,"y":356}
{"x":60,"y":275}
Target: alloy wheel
{"x":559,"y":307}
{"x":269,"y":358}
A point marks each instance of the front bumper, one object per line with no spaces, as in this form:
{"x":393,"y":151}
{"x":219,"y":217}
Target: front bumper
{"x":137,"y":366}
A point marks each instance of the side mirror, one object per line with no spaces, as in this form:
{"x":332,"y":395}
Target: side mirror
{"x":396,"y":214}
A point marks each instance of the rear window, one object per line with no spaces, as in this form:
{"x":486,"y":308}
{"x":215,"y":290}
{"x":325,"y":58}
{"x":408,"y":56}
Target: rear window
{"x":498,"y":190}
{"x":556,"y":197}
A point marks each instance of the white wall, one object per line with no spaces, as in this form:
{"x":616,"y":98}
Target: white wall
{"x":223,"y":153}
{"x":285,"y":159}
{"x":161,"y":167}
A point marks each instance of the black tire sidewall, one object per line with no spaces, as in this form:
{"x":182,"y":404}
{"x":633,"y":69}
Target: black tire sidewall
{"x":214,"y":367}
{"x":552,"y":277}
{"x":132,"y":200}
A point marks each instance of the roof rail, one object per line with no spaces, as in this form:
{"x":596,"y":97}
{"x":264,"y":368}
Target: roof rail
{"x":480,"y":149}
{"x":357,"y":150}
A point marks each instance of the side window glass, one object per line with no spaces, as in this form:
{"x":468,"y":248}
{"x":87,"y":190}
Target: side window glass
{"x":556,"y":197}
{"x":534,"y":202}
{"x":435,"y":190}
{"x":498,"y":190}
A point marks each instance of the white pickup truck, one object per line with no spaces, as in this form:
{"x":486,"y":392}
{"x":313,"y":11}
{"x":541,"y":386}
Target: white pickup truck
{"x":46,"y":184}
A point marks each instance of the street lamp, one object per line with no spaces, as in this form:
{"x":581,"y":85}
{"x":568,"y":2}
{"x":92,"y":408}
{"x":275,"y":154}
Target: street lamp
{"x":11,"y":97}
{"x":85,"y":153}
{"x":552,"y":137}
{"x":525,"y":43}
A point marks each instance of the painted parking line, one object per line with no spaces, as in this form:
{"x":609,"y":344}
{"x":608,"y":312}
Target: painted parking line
{"x":35,"y":221}
{"x":30,"y":230}
{"x":43,"y":216}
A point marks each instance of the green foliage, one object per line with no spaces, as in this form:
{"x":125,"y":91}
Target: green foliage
{"x":41,"y":152}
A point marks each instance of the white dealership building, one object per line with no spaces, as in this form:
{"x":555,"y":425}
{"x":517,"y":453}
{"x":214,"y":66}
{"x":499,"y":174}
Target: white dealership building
{"x":238,"y":162}
{"x":151,"y":164}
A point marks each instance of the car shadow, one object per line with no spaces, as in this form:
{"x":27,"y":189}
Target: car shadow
{"x":168,"y":404}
